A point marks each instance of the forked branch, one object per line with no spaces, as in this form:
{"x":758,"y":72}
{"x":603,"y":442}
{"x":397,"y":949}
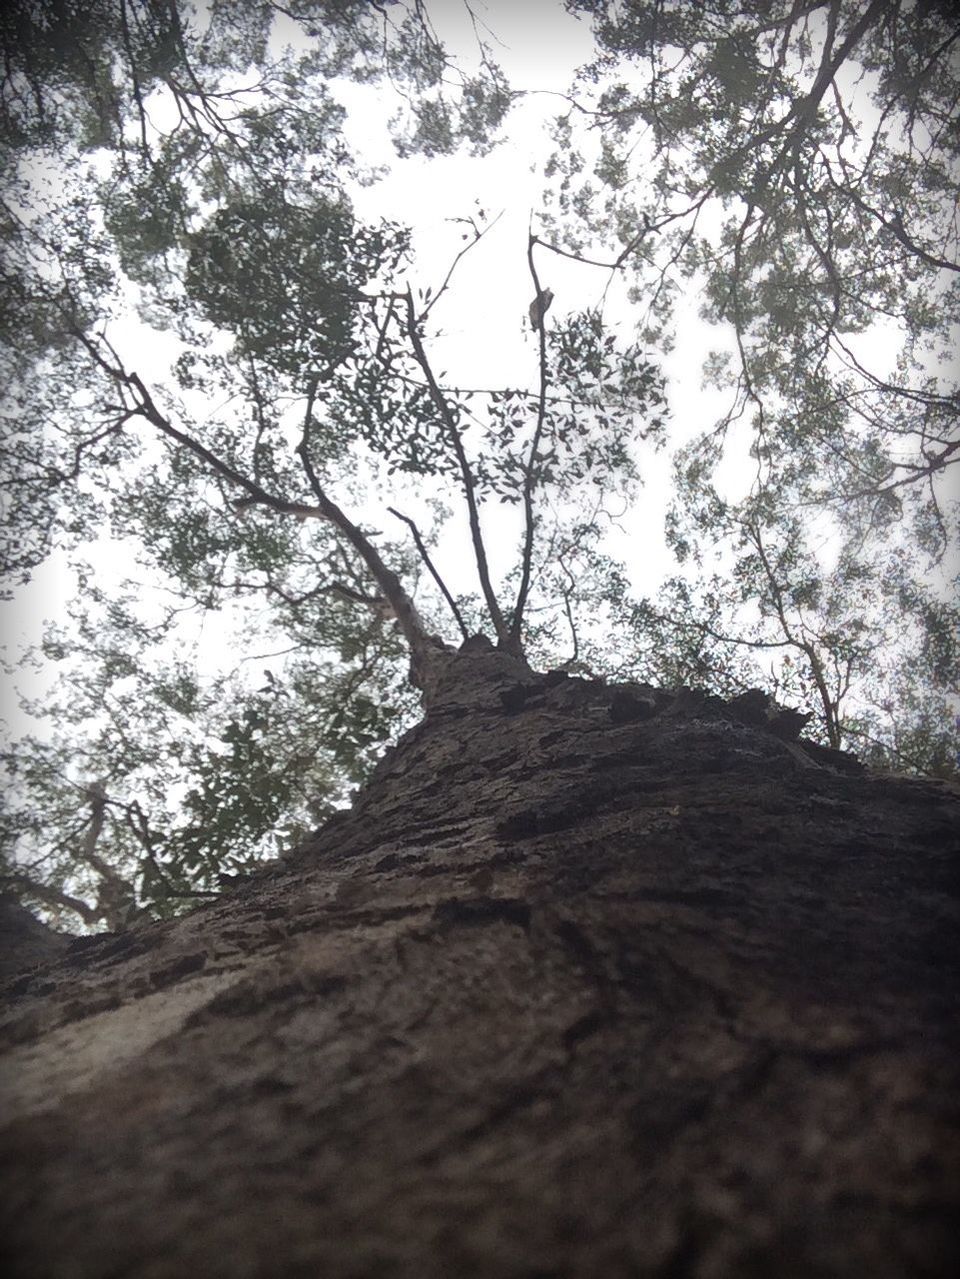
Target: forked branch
{"x":505,"y":638}
{"x":420,"y":642}
{"x":431,"y":567}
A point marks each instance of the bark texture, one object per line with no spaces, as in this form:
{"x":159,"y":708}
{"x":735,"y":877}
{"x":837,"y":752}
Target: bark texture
{"x":591,"y":981}
{"x":24,"y":941}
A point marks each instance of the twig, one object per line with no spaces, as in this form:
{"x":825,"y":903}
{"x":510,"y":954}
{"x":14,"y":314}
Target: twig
{"x":425,"y":556}
{"x":516,"y":622}
{"x":477,"y":237}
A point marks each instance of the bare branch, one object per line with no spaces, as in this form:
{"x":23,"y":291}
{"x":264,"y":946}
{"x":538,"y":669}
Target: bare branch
{"x":425,"y":556}
{"x":504,"y":637}
{"x":566,"y":592}
{"x":477,"y":237}
{"x":530,"y":467}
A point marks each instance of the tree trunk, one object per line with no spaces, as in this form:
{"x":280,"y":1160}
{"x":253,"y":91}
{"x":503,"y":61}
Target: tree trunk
{"x":591,"y":981}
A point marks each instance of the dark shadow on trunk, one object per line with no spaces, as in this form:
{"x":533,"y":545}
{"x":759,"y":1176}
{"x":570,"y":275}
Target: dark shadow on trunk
{"x":590,"y":981}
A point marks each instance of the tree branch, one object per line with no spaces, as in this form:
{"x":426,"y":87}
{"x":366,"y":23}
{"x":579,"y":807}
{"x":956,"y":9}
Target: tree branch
{"x":504,"y":637}
{"x":51,"y":896}
{"x":829,"y":705}
{"x":425,"y":556}
{"x":477,"y":237}
{"x":529,"y":470}
{"x":418,"y":639}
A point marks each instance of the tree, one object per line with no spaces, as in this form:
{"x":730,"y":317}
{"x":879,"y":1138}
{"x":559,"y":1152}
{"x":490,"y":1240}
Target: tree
{"x":243,"y":198}
{"x":592,"y":976}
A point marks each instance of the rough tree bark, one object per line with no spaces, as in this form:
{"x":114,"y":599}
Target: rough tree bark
{"x":590,"y":981}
